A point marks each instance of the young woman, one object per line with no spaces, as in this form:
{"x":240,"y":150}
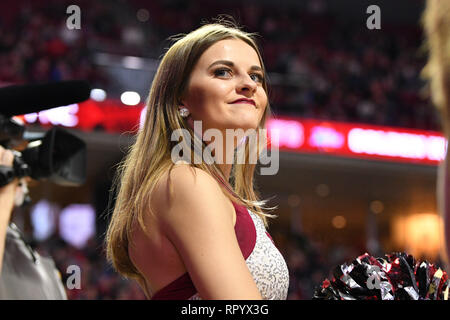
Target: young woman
{"x":179,"y":227}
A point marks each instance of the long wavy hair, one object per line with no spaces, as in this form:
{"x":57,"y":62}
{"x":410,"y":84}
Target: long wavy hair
{"x":149,"y":157}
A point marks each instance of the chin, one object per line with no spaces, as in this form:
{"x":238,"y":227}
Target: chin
{"x":246,"y":125}
{"x":246,"y":122}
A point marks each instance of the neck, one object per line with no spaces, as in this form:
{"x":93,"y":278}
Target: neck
{"x":224,"y":167}
{"x":226,"y":170}
{"x":222,"y":163}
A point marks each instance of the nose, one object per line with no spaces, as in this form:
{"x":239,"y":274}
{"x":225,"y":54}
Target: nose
{"x":246,"y":85}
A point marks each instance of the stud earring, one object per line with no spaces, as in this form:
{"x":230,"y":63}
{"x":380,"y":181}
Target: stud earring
{"x":183,"y":112}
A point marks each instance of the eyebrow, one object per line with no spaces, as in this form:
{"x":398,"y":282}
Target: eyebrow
{"x":231,"y":64}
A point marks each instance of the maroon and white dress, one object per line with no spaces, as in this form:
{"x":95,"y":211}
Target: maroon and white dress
{"x":264,"y":260}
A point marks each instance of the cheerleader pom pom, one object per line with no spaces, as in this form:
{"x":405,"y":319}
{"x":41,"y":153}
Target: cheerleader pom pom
{"x":398,"y":276}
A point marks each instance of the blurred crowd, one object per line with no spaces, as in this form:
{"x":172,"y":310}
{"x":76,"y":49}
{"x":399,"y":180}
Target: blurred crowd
{"x":319,"y":67}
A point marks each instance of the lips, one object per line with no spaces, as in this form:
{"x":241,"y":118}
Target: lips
{"x":248,"y":101}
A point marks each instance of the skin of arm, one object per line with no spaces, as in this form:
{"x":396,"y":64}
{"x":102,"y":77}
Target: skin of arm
{"x":196,"y":221}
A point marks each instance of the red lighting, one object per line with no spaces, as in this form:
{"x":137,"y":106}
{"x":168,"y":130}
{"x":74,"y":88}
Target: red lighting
{"x":351,"y":140}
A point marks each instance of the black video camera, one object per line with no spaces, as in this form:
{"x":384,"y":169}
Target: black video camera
{"x":56,"y":155}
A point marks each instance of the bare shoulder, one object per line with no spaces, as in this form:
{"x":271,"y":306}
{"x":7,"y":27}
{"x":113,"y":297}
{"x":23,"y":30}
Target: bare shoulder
{"x":186,"y":186}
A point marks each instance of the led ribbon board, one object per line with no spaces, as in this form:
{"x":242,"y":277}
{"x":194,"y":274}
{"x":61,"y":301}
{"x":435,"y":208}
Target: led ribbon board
{"x":353,"y":140}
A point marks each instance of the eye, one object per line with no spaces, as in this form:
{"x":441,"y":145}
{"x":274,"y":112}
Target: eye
{"x":221,"y":72}
{"x":257,"y":77}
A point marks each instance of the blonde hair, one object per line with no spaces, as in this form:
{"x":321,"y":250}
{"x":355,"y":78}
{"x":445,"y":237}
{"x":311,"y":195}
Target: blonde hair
{"x":436,"y":23}
{"x":150,"y":155}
